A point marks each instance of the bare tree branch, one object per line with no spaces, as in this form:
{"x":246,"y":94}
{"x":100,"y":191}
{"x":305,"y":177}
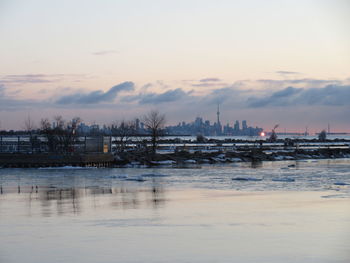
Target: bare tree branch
{"x":61,"y":136}
{"x":123,"y":130}
{"x":29,"y":125}
{"x":154,"y":123}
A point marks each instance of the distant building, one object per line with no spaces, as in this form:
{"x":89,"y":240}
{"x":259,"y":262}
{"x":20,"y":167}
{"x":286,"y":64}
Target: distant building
{"x":244,"y":125}
{"x":236,"y":127}
{"x":198,"y":126}
{"x":205,"y":128}
{"x":137,"y":125}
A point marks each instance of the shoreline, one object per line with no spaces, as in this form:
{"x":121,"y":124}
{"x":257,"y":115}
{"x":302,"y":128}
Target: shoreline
{"x":179,"y":153}
{"x":183,"y":158}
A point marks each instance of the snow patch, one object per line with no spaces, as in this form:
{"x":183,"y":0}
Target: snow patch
{"x":190,"y":161}
{"x":165,"y":162}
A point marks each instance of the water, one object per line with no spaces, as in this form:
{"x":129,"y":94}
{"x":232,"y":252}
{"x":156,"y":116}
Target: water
{"x":254,"y":138}
{"x":280,"y":212}
{"x":308,"y":175}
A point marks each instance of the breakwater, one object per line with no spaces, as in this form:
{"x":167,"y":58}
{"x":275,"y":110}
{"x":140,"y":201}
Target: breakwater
{"x":175,"y":153}
{"x":18,"y":160}
{"x":188,"y":156}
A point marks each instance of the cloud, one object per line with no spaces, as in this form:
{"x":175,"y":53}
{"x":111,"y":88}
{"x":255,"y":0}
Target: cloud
{"x":180,"y":97}
{"x":264,"y":103}
{"x":5,"y":101}
{"x":97,"y":96}
{"x":167,"y":96}
{"x":210,"y":80}
{"x":8,"y":103}
{"x":282,"y":72}
{"x":330,"y":95}
{"x":208,"y":84}
{"x":228,"y":94}
{"x":105,"y":52}
{"x":286,"y":92}
{"x":305,"y":82}
{"x":145,"y":87}
{"x":235,"y":97}
{"x":2,"y":90}
{"x":28,"y":78}
{"x":315,"y":82}
{"x":35,"y":78}
{"x":278,"y":98}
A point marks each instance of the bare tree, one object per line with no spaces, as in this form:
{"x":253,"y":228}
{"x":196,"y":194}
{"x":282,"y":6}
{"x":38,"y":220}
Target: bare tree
{"x":62,"y":135}
{"x":69,"y":135}
{"x":29,"y":125}
{"x":154,"y":123}
{"x":122,"y":131}
{"x":47,"y":131}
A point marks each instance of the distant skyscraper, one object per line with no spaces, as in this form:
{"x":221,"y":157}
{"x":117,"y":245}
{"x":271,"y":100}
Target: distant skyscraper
{"x":218,"y":124}
{"x":244,"y":125}
{"x":205,"y":128}
{"x":236,"y":126}
{"x":218,"y":115}
{"x":198,"y":122}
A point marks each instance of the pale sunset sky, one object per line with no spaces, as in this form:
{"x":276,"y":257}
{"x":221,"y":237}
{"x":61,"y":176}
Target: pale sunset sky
{"x":269,"y":62}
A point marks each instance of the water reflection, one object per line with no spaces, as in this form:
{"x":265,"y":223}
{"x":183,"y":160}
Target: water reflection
{"x":51,"y":201}
{"x":256,"y":164}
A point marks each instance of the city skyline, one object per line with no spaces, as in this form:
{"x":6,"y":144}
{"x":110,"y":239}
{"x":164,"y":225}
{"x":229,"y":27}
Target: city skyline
{"x":264,"y":62}
{"x":198,"y":126}
{"x":174,"y":131}
{"x":190,"y":120}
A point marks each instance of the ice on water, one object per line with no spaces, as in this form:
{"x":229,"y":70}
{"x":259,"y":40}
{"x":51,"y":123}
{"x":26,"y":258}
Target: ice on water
{"x":246,"y":212}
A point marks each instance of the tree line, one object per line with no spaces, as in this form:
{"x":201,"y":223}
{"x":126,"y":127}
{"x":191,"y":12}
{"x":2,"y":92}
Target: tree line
{"x":61,"y":135}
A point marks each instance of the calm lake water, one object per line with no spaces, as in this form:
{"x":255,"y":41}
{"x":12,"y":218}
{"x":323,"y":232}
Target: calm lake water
{"x":267,"y":212}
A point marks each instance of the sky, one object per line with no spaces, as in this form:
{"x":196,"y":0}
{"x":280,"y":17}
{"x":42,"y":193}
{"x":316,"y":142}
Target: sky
{"x":269,"y":62}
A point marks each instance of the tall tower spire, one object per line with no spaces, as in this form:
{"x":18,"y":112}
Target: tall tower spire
{"x":218,"y":124}
{"x":218,"y":115}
